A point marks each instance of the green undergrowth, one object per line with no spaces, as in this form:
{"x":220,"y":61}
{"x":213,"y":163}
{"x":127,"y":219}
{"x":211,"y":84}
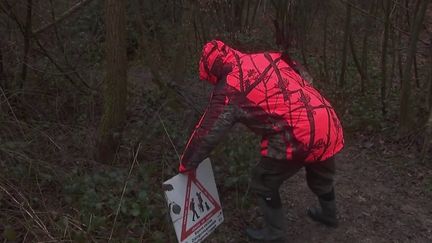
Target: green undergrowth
{"x":110,"y":199}
{"x":233,"y":161}
{"x":85,"y":205}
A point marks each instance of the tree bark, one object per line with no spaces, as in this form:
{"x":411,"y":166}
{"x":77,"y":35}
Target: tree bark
{"x":384,"y":45}
{"x":27,"y":38}
{"x":326,"y":68}
{"x":237,"y":14}
{"x":345,"y":45}
{"x":115,"y":90}
{"x":428,"y":127}
{"x":364,"y":62}
{"x":416,"y":75}
{"x":427,"y":139}
{"x":429,"y":79}
{"x":405,"y":103}
{"x":365,"y":48}
{"x":398,"y":46}
{"x":246,"y":21}
{"x":357,"y":63}
{"x":2,"y":70}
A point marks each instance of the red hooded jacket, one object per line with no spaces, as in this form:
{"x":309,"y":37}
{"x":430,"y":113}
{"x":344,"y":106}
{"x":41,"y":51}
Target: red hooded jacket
{"x":266,"y":94}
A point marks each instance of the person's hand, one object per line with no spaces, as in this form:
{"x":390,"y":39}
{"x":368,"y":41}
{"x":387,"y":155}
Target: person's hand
{"x":188,"y":172}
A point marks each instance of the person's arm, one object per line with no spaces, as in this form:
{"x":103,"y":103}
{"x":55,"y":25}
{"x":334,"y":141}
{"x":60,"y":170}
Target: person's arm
{"x":297,"y":67}
{"x":218,"y":118}
{"x":300,"y":69}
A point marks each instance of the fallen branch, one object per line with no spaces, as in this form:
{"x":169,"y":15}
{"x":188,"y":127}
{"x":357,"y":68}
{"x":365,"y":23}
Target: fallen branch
{"x":13,"y":113}
{"x":25,"y":206}
{"x":135,"y":158}
{"x":169,"y":137}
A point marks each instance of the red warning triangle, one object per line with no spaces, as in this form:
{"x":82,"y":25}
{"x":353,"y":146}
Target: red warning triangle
{"x":188,"y":229}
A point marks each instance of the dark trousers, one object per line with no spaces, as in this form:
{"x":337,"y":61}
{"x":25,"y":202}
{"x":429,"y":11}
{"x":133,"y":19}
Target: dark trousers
{"x":269,"y":174}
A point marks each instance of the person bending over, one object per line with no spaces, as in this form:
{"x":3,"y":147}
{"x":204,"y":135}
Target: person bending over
{"x":298,"y":126}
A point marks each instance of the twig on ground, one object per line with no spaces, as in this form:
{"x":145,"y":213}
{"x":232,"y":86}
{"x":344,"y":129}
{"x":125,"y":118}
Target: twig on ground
{"x":51,"y":140}
{"x":147,"y":135}
{"x":169,"y":137}
{"x":12,"y":111}
{"x":124,"y":190}
{"x":29,"y":210}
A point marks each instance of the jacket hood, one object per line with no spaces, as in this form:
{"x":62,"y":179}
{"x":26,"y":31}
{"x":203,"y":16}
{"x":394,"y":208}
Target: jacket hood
{"x":216,"y":61}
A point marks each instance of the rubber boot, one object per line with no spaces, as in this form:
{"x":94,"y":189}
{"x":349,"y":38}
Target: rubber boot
{"x":326,"y":214}
{"x":274,"y":224}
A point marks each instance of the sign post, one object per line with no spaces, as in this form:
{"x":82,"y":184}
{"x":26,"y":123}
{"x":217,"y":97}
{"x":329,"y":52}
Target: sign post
{"x":194,"y":204}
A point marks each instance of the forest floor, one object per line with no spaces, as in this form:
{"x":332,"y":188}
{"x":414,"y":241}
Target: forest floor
{"x":380,"y":199}
{"x":383,"y":193}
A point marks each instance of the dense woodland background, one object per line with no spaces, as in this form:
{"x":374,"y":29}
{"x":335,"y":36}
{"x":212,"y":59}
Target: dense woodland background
{"x":98,"y":97}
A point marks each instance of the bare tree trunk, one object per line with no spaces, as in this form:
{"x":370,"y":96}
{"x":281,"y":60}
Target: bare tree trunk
{"x":384,"y":45}
{"x":429,"y":96}
{"x":364,"y":63}
{"x":398,"y":50}
{"x":2,"y":71}
{"x":416,"y":76}
{"x":326,"y":72}
{"x":345,"y":45}
{"x":114,"y":112}
{"x":254,"y":12}
{"x":365,"y":48}
{"x":407,"y":14}
{"x":357,"y":63}
{"x":143,"y":43}
{"x":237,"y":14}
{"x":428,"y":132}
{"x":405,"y":104}
{"x":429,"y":103}
{"x":247,"y":22}
{"x":427,"y":139}
{"x":393,"y":60}
{"x":27,"y":38}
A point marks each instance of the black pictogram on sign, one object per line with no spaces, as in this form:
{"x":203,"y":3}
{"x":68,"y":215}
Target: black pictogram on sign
{"x":214,"y":208}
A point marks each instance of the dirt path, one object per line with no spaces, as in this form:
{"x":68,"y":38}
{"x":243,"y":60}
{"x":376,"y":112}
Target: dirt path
{"x":379,"y":200}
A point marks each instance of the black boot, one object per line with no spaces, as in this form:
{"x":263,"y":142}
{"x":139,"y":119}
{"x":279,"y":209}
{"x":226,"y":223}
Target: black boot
{"x":326,"y":214}
{"x":274,"y":224}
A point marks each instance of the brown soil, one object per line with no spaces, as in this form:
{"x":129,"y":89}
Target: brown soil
{"x":380,"y":199}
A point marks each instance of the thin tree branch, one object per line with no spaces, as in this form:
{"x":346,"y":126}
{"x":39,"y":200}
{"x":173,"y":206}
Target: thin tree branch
{"x":135,"y":158}
{"x":44,"y":51}
{"x":13,"y":113}
{"x":364,"y":12}
{"x":2,"y":70}
{"x":78,"y":6}
{"x":27,"y":39}
{"x":359,"y":67}
{"x":60,"y":43}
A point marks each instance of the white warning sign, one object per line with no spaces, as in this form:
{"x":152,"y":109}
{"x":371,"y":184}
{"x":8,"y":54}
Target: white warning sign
{"x":193,"y":203}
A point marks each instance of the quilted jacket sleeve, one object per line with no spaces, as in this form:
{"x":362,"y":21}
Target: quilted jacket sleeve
{"x":218,"y":118}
